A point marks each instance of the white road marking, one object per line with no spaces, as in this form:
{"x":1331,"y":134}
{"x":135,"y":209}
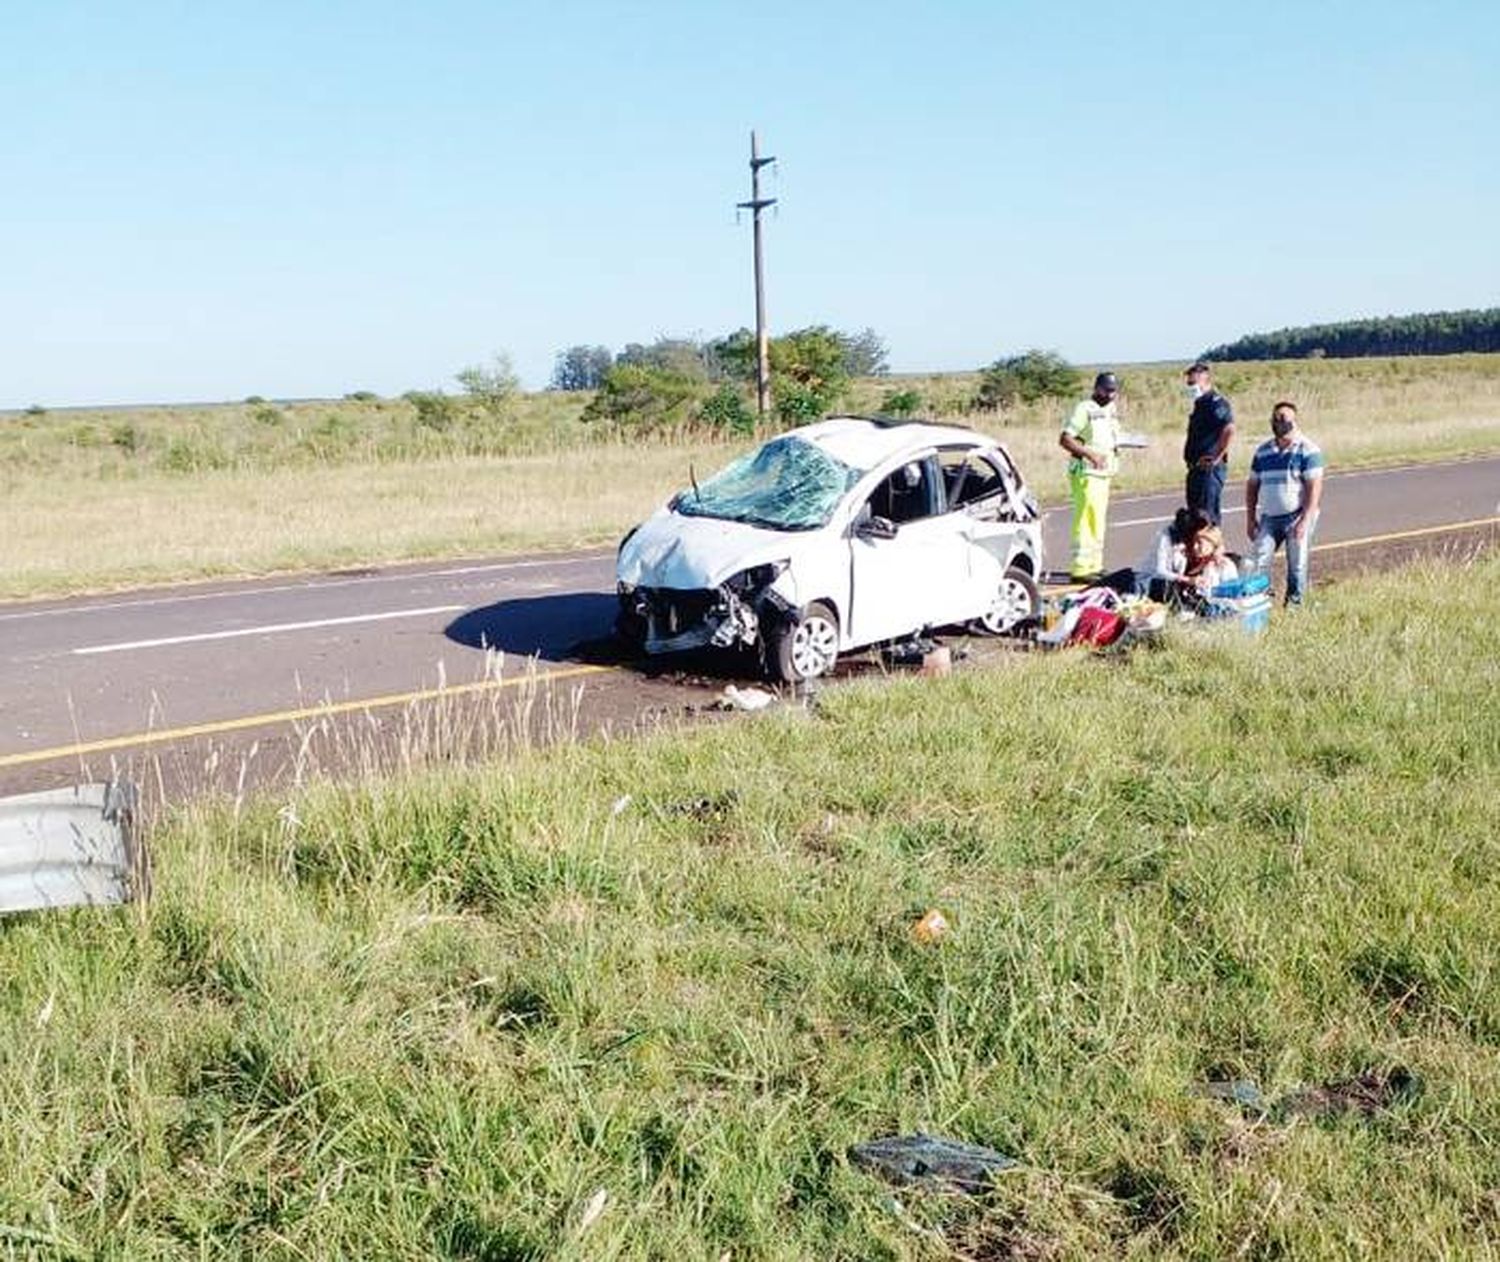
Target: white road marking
{"x":307,"y":585}
{"x":273,"y":628}
{"x":1154,"y":521}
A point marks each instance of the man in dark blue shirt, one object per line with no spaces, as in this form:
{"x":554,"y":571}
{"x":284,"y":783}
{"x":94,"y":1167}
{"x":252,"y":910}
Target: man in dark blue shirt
{"x":1209,"y":433}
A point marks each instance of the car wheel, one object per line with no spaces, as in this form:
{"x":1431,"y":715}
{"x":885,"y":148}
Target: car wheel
{"x":808,"y":647}
{"x":1018,"y":600}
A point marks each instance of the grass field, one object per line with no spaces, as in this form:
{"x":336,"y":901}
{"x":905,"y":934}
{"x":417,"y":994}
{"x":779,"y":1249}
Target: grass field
{"x":637,"y":1000}
{"x":106,"y":499}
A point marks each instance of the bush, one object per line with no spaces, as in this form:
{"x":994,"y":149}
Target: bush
{"x":362,"y":396}
{"x":435,"y":410}
{"x":36,"y":409}
{"x":125,"y":437}
{"x":639,"y":397}
{"x":901,"y":403}
{"x":726,"y":409}
{"x":807,"y":373}
{"x":267,"y":414}
{"x":492,"y":387}
{"x":1026,"y":378}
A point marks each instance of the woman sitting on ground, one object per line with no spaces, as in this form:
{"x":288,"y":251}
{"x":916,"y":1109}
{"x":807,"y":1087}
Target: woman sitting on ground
{"x":1168,"y":571}
{"x":1208,"y":563}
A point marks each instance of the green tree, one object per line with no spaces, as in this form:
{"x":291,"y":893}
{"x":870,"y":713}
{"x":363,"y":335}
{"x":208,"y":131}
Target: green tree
{"x":807,"y":373}
{"x":492,"y":386}
{"x":643,"y":398}
{"x":683,"y":356}
{"x":726,"y":409}
{"x":581,"y":367}
{"x":1026,"y":378}
{"x":865,"y":353}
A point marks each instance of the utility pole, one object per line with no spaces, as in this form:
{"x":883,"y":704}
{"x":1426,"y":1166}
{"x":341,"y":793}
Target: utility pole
{"x":755,"y":205}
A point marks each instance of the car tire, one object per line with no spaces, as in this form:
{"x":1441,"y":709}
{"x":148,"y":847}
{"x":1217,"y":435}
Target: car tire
{"x":807,"y":647}
{"x":1017,"y":602}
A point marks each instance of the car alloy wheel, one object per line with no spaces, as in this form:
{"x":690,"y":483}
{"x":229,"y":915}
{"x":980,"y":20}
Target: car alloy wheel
{"x":809,"y":647}
{"x":1018,"y":600}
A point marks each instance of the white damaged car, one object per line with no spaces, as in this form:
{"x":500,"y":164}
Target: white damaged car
{"x":832,"y":537}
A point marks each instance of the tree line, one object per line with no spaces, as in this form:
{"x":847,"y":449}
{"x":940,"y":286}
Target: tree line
{"x":1428,"y":333}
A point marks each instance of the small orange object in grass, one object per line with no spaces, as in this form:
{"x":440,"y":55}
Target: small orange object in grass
{"x":931,"y":927}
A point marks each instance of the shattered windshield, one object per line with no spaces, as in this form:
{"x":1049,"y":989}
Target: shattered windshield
{"x":788,"y":484}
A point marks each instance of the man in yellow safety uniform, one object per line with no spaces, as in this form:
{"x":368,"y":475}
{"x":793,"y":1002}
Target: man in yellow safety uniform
{"x":1091,"y":436}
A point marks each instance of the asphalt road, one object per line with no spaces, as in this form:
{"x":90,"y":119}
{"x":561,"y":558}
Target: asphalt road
{"x":84,"y":679}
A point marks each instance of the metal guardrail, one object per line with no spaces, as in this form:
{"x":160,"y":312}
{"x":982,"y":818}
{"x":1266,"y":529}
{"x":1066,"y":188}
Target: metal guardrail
{"x":71,"y":847}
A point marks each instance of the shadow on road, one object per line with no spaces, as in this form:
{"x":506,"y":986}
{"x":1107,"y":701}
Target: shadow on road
{"x":579,"y":627}
{"x":553,"y":628}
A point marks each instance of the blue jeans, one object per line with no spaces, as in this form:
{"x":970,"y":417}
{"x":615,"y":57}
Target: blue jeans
{"x":1270,"y":534}
{"x":1205,"y":488}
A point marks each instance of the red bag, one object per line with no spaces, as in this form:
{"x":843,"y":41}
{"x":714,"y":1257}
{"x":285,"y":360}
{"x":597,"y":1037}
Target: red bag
{"x":1097,"y":626}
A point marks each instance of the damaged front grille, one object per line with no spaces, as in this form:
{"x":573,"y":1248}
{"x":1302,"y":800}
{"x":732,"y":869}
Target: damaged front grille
{"x":674,"y":619}
{"x":672,"y":611}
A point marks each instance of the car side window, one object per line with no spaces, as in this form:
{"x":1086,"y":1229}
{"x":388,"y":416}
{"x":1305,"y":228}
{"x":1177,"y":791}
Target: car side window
{"x":969,"y":477}
{"x":908,"y":494}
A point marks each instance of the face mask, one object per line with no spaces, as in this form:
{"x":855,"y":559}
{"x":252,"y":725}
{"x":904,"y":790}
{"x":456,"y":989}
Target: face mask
{"x":1193,"y":391}
{"x":1282,"y":427}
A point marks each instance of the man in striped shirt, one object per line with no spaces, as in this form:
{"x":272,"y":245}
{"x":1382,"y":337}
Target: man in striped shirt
{"x":1282,"y":497}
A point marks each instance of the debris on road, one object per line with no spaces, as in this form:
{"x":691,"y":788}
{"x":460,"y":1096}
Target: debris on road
{"x":71,"y":847}
{"x":938,"y":663}
{"x":920,"y":1158}
{"x":748,"y":700}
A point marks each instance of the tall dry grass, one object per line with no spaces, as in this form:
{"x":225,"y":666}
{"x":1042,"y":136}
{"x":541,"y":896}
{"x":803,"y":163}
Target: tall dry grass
{"x":111,"y":499}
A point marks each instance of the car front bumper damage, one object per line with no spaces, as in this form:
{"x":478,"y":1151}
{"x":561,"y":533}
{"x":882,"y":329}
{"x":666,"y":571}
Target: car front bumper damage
{"x":671,"y":620}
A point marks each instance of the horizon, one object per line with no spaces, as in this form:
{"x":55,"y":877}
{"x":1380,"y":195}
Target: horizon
{"x":302,"y":204}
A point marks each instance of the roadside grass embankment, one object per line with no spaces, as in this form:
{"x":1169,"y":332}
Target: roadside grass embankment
{"x":435,"y":1015}
{"x":120,"y":498}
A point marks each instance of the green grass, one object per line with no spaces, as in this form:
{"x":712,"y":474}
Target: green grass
{"x":92,"y":500}
{"x":433,"y":1015}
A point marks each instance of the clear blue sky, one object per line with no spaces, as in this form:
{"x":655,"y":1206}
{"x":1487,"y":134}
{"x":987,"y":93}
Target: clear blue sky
{"x":204,"y":201}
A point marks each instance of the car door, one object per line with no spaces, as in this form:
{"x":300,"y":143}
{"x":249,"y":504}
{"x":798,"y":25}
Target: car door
{"x":917,"y":576}
{"x":984,"y":495}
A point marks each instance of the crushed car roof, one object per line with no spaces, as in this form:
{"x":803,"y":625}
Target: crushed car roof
{"x":862,"y":442}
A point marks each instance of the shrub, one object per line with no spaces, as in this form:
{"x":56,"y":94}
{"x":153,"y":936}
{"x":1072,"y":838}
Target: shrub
{"x":435,"y":410}
{"x":36,"y":409}
{"x":492,"y":387}
{"x":267,"y":414}
{"x":362,"y":396}
{"x":901,"y":403}
{"x":807,"y":373}
{"x":726,"y":409}
{"x":1026,"y":378}
{"x":639,"y":397}
{"x":125,"y":437}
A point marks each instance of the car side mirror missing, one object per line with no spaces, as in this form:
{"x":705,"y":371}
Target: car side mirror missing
{"x":873,"y":527}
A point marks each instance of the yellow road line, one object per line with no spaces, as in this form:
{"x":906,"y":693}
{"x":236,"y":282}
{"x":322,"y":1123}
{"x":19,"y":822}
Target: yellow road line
{"x":167,"y":734}
{"x":1364,"y":541}
{"x":1408,"y":534}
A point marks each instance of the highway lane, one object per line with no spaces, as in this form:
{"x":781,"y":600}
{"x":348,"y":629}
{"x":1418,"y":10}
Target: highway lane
{"x":87,"y":670}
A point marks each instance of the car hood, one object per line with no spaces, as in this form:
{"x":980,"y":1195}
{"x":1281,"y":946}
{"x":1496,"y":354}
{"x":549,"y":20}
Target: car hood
{"x":688,"y":553}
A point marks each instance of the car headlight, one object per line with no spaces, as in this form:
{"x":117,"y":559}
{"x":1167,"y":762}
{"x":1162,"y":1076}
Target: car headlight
{"x":757,"y":576}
